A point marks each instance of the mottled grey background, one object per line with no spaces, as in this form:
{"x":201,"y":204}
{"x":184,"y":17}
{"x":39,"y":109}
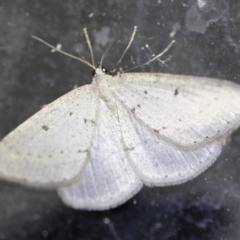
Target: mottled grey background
{"x":207,"y":37}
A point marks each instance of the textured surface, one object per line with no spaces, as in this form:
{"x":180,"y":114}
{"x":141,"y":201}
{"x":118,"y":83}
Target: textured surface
{"x":186,"y":111}
{"x":50,"y":148}
{"x":108,"y":179}
{"x":159,"y":162}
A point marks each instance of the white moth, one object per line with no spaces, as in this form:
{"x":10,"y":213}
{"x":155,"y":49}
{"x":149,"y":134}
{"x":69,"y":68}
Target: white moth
{"x":100,"y":143}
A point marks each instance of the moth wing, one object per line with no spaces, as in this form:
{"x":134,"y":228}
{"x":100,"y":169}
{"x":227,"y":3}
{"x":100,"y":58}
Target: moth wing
{"x":51,"y":147}
{"x":188,"y":111}
{"x":159,"y":162}
{"x":108,"y":178}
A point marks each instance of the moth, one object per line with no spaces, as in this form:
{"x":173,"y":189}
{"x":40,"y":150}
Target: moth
{"x":100,"y":143}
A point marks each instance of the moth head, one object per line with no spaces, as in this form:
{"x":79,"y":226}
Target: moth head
{"x":100,"y":70}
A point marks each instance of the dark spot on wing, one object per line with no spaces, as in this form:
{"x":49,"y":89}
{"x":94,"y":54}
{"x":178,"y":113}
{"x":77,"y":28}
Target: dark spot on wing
{"x":133,"y":110}
{"x":139,"y":105}
{"x":82,"y":151}
{"x":164,"y":127}
{"x":89,"y":120}
{"x":155,"y":130}
{"x":44,"y":127}
{"x":130,"y":149}
{"x":64,"y":180}
{"x":176,"y":92}
{"x":145,"y":91}
{"x":70,"y":114}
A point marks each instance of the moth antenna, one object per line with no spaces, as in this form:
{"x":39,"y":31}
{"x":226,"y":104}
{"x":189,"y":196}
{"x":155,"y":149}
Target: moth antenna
{"x":89,"y":44}
{"x":65,"y":53}
{"x":153,"y":59}
{"x":161,"y":53}
{"x":128,"y":46}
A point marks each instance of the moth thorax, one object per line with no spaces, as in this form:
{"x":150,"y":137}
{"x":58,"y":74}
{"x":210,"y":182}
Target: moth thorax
{"x":104,"y":84}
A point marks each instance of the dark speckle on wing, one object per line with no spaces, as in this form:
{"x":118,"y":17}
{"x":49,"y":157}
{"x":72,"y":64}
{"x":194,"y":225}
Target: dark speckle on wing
{"x":176,"y":92}
{"x":44,"y":127}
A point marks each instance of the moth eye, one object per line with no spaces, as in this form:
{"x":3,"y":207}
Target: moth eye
{"x":104,"y":70}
